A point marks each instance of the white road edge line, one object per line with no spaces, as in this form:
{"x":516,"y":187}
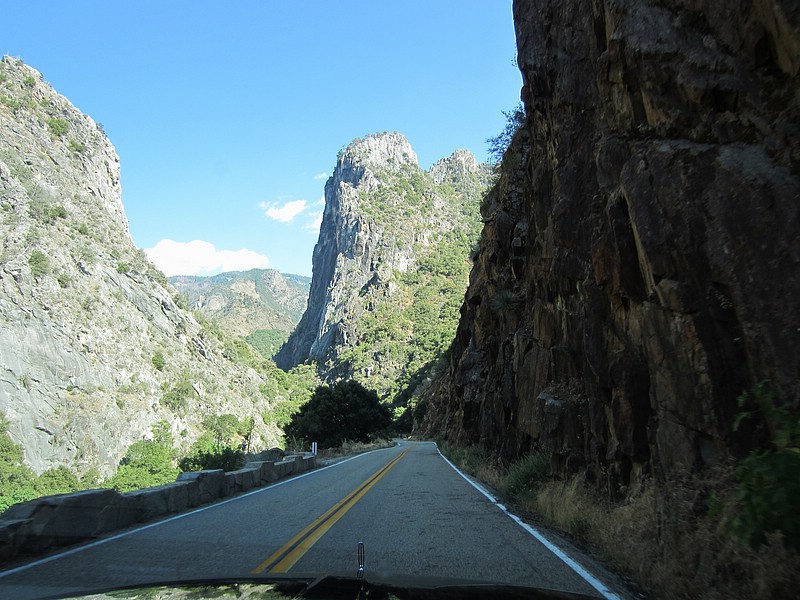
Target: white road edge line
{"x":588,"y":577}
{"x":53,"y":557}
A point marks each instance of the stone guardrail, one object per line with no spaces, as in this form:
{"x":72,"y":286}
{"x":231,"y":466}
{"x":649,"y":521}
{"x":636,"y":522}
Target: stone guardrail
{"x":39,"y":525}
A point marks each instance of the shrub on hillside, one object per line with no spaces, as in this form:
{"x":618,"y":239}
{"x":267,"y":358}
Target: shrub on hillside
{"x":207,"y":453}
{"x":769,"y":487}
{"x":147,"y":463}
{"x":525,"y":475}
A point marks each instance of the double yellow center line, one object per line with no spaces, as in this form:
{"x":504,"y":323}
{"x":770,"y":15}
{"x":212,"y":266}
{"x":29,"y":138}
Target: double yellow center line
{"x":286,"y":556}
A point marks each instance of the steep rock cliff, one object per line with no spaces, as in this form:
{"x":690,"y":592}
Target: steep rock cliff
{"x":383,"y":215}
{"x":83,"y":313}
{"x":638,"y":269}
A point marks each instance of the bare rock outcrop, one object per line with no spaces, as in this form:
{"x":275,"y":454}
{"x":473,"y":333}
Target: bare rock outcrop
{"x":640,"y":262}
{"x":83,"y":312}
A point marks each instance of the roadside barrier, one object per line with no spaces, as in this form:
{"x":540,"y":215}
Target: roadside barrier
{"x":37,"y":526}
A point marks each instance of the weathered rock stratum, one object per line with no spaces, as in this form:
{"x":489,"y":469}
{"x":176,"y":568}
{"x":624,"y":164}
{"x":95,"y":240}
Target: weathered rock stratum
{"x":640,"y":264}
{"x":94,"y":348}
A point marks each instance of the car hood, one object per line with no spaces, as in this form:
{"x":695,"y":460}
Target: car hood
{"x":330,"y":586}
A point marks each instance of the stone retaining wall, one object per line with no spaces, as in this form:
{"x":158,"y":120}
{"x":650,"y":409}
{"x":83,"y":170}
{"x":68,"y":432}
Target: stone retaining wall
{"x":34,"y":527}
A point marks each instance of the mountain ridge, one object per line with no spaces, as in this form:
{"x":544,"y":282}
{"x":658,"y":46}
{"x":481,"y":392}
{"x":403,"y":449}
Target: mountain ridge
{"x":83,"y":312}
{"x":383,"y":216}
{"x":247,"y":301}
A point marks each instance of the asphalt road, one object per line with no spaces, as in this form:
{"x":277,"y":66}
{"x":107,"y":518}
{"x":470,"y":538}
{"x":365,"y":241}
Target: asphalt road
{"x":413,"y":512}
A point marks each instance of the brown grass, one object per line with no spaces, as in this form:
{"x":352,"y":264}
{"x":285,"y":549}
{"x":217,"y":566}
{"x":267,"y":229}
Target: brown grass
{"x":349,"y":448}
{"x":672,"y":539}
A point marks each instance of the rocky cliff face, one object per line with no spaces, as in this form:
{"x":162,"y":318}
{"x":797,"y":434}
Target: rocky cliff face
{"x":247,"y":301}
{"x":83,"y":312}
{"x":383,"y":214}
{"x":639,"y":265}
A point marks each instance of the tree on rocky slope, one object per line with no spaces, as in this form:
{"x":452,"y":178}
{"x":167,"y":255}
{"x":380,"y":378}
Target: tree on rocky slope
{"x":344,"y":411}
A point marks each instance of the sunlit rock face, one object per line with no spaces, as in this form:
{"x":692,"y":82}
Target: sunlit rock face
{"x":83,"y":312}
{"x":640,"y":263}
{"x":382,"y":213}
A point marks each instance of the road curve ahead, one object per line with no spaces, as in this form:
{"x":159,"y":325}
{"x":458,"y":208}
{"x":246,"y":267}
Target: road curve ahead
{"x":415,"y":514}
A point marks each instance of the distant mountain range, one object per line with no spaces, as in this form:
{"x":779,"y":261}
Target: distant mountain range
{"x":261,"y":305}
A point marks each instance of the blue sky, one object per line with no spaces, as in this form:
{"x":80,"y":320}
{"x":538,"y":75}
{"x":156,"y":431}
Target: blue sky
{"x":228,"y":116}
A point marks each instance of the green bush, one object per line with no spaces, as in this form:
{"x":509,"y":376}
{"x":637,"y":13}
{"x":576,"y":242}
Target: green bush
{"x":177,"y":396}
{"x":17,"y":481}
{"x":123,"y":267}
{"x":525,"y":475}
{"x":180,"y":301}
{"x":147,"y":463}
{"x":57,"y":481}
{"x":58,"y":127}
{"x":158,"y":360}
{"x":504,"y":300}
{"x":56,"y":212}
{"x":345,"y":411}
{"x":769,"y":478}
{"x":77,"y":147}
{"x":39,"y":263}
{"x":10,"y":102}
{"x":500,"y":143}
{"x":206,"y":453}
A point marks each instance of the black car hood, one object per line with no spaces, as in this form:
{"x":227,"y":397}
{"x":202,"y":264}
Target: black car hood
{"x":335,"y":586}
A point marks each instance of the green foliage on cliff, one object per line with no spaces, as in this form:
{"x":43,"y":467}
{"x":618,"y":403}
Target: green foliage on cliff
{"x":209,"y":453}
{"x":769,"y":478}
{"x":18,"y":483}
{"x":500,"y":143}
{"x":39,"y":263}
{"x":406,"y":333}
{"x":407,"y":319}
{"x":267,"y":341}
{"x":287,"y":392}
{"x":147,"y":463}
{"x":58,"y":127}
{"x":176,"y":396}
{"x":344,"y":411}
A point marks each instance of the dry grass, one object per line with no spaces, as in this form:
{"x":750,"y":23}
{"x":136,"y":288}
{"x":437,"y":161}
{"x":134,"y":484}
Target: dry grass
{"x":673,"y":539}
{"x":349,"y":448}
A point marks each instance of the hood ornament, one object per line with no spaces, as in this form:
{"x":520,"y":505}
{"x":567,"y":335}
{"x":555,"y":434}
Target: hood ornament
{"x":360,"y":573}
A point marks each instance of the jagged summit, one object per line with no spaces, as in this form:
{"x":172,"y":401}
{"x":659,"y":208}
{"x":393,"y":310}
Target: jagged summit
{"x":459,"y":164}
{"x":382,"y":150}
{"x":383,"y":214}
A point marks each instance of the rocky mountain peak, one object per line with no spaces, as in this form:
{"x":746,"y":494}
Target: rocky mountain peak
{"x":382,"y":213}
{"x":458,"y":165}
{"x":389,"y":151}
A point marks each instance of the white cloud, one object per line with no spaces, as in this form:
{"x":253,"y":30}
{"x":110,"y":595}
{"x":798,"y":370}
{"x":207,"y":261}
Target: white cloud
{"x":317,"y":222}
{"x":320,"y":202}
{"x":202,"y":258}
{"x":321,"y":176}
{"x":285,"y":213}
